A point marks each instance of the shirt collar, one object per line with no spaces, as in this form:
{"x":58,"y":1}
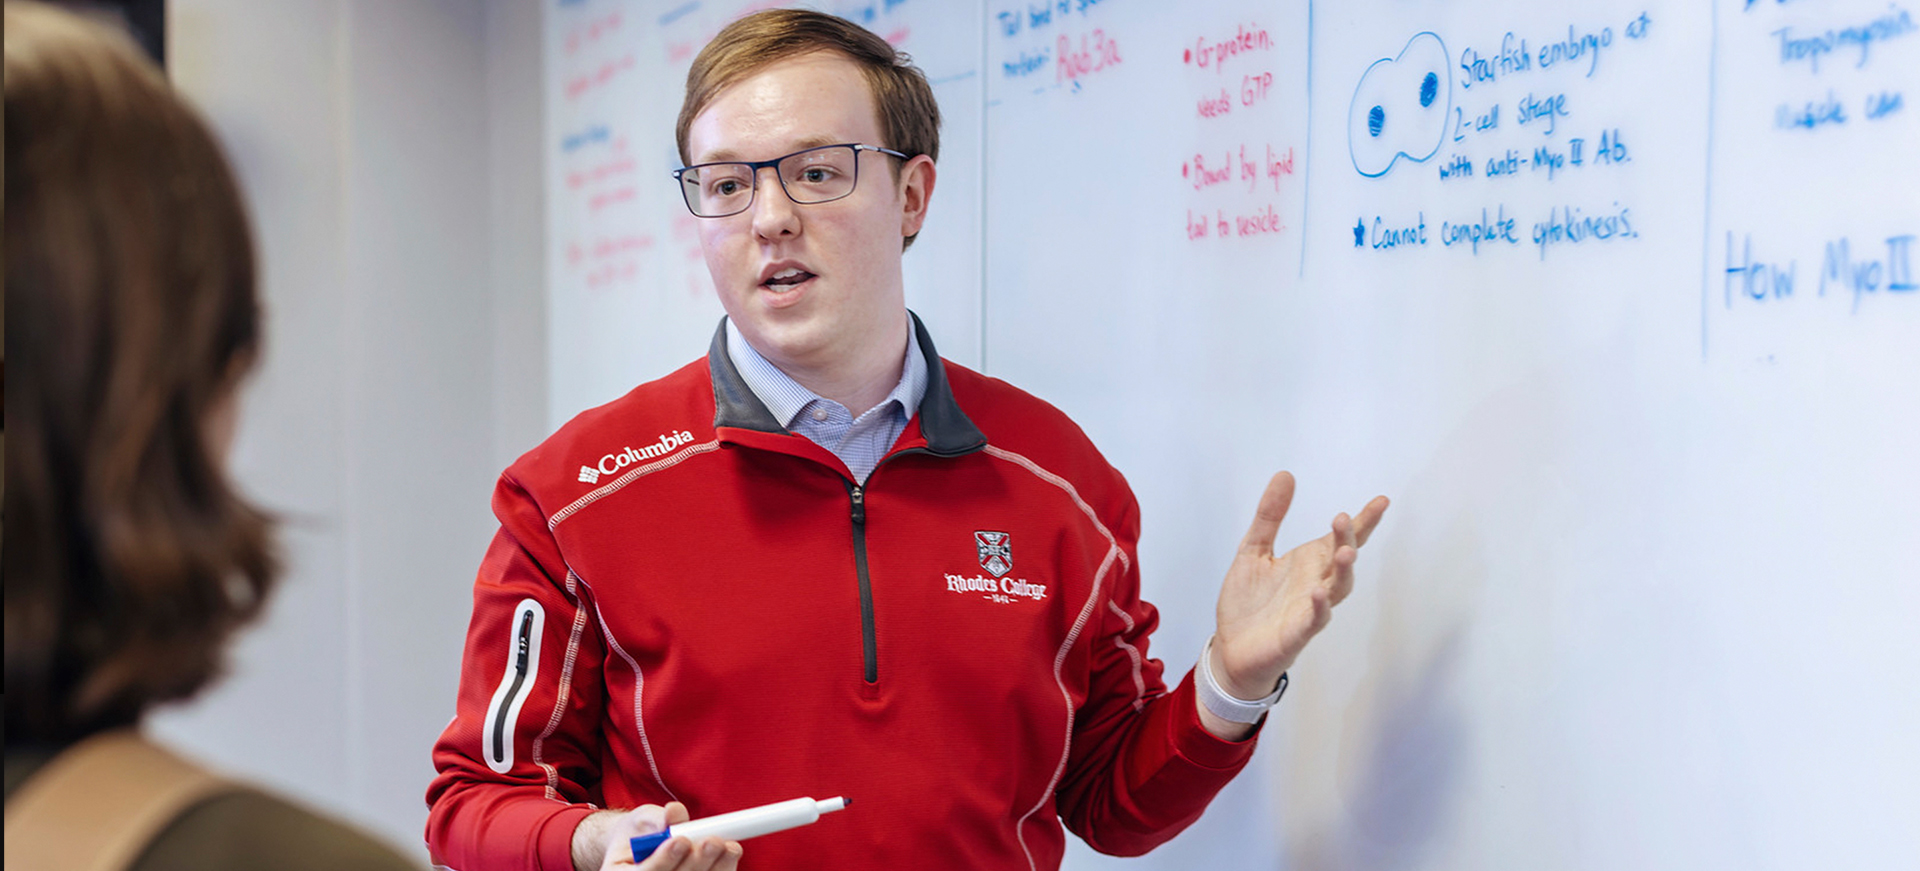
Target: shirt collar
{"x":785,"y":398}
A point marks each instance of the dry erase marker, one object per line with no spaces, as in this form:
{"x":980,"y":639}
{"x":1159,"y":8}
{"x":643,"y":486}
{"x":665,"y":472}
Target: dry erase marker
{"x":741,"y":825}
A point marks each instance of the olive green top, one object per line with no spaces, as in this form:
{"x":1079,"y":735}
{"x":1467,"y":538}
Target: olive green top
{"x":242,"y":829}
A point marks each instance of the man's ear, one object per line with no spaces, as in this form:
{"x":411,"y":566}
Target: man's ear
{"x":916,"y":184}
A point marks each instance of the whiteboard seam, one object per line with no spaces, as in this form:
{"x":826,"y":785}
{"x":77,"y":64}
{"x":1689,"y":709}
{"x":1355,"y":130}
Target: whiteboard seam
{"x":1306,"y":159}
{"x":1706,"y":206}
{"x":981,"y":181}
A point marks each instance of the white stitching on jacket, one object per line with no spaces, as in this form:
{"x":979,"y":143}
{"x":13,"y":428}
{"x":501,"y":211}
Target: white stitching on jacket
{"x":639,"y":683}
{"x":626,"y":479}
{"x":1139,"y":681}
{"x":566,"y":684}
{"x":1073,"y":635}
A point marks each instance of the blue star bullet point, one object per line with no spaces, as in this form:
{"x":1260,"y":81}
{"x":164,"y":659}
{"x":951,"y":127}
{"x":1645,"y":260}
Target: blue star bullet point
{"x":1360,"y":233}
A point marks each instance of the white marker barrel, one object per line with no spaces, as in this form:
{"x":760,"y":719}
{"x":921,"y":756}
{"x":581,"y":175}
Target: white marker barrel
{"x":741,"y":825}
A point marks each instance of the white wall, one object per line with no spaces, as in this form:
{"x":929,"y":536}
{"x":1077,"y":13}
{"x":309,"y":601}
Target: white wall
{"x":389,"y":152}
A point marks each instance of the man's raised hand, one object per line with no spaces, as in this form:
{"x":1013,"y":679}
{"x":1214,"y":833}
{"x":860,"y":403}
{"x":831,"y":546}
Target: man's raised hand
{"x":1271,"y":606}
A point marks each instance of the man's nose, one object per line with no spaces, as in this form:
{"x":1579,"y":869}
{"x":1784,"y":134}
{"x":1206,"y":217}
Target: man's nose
{"x":774,"y":213}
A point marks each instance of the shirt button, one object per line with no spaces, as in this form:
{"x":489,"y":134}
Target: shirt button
{"x":819,"y":413}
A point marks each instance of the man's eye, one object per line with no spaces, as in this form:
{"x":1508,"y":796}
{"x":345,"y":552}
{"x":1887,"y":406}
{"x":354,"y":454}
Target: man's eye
{"x":816,"y":174}
{"x":725,"y":187}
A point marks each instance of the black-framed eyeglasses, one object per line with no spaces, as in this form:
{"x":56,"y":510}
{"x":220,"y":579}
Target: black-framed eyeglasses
{"x":810,"y":177}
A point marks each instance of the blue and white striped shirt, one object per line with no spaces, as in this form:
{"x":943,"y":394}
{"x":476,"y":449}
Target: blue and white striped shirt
{"x":858,"y":442}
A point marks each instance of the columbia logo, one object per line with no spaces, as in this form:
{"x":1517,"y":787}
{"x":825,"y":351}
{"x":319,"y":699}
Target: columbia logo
{"x":612,"y":463}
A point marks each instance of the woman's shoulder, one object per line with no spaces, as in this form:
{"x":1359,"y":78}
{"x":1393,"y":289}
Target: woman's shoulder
{"x":248,"y":828}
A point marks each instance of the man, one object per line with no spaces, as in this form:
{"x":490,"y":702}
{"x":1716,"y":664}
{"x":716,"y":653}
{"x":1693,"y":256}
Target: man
{"x":841,"y":565}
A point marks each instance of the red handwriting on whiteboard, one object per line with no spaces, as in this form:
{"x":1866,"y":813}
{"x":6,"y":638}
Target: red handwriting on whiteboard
{"x":609,"y":260}
{"x":590,"y":32}
{"x":1214,"y":52}
{"x":1253,"y":169}
{"x":585,"y":82}
{"x":686,"y":231}
{"x":1095,"y":52}
{"x":607,"y":275}
{"x":617,"y":195}
{"x":1262,"y":221}
{"x":1202,"y":176}
{"x":1255,"y":89}
{"x":617,"y":167}
{"x":606,"y":247}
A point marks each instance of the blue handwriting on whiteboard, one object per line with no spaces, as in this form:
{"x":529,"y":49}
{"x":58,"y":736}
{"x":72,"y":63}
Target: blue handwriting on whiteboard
{"x":1009,"y":23}
{"x":1398,"y":237}
{"x":1576,"y":46}
{"x":1757,"y":280}
{"x":1811,"y":115}
{"x":1883,"y":104}
{"x":596,"y":133}
{"x":1552,"y":107}
{"x":1028,"y":63}
{"x":1032,"y":16}
{"x":679,"y":12}
{"x":1513,"y":58}
{"x":1893,"y":25}
{"x":1569,"y":225}
{"x":1550,"y":160}
{"x":1497,"y":229}
{"x":1489,"y":121}
{"x":1894,"y":274}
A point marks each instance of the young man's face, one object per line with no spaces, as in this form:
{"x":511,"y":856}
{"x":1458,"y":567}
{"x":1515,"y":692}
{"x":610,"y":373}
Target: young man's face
{"x":812,"y":287}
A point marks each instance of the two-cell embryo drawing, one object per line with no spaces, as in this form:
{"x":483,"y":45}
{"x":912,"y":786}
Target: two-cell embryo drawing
{"x":1400,"y":107}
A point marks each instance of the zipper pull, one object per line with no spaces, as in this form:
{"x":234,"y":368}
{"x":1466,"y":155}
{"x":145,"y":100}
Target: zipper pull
{"x":526,"y":632}
{"x":859,"y":506}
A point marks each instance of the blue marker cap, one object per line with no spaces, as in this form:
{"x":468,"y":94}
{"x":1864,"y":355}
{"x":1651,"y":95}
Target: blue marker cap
{"x":644,"y":845}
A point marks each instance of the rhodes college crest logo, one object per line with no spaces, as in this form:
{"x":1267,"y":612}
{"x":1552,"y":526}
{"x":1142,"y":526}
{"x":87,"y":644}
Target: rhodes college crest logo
{"x":996,"y":552}
{"x":996,"y":557}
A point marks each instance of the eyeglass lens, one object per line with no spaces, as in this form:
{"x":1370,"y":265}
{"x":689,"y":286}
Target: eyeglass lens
{"x":813,"y":176}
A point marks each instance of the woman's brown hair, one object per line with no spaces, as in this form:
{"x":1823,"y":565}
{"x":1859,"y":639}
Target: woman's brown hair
{"x":129,"y":557}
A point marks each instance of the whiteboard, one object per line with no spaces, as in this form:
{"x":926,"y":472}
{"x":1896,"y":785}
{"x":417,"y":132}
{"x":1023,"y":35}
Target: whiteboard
{"x":1617,"y":301}
{"x":629,"y":295}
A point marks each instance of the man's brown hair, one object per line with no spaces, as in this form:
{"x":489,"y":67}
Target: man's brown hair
{"x":129,"y":557}
{"x":908,"y":115}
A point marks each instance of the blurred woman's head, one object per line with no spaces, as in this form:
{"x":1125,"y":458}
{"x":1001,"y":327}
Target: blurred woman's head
{"x":131,"y":316}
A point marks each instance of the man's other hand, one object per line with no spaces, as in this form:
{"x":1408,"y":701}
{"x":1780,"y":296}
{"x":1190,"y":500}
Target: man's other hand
{"x":603,"y":841}
{"x":1271,"y":606}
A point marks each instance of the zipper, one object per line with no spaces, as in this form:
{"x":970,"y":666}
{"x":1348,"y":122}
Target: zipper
{"x":513,"y":691}
{"x":857,"y":497}
{"x":868,"y":647}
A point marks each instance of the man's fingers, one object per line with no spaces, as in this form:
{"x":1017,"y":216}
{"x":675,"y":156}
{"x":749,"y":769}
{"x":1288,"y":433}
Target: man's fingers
{"x":673,"y":855}
{"x":712,"y":853}
{"x":1266,"y":518}
{"x":1367,"y":519}
{"x":1342,"y":581}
